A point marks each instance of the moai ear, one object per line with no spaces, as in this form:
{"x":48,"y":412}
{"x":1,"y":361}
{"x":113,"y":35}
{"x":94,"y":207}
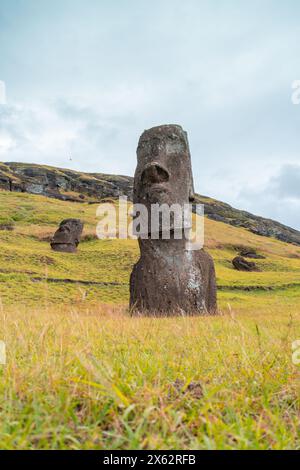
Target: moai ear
{"x":191,"y":191}
{"x":191,"y":182}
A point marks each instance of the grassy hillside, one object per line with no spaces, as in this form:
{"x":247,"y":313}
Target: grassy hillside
{"x":74,"y":186}
{"x":26,"y":259}
{"x":81,"y":373}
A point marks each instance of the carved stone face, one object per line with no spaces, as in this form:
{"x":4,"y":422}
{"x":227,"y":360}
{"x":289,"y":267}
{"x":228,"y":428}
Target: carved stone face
{"x":163,"y":173}
{"x":67,"y":236}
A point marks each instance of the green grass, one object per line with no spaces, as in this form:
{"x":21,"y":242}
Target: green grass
{"x":25,"y":254}
{"x":81,"y":373}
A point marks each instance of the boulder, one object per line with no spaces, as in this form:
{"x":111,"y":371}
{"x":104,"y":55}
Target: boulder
{"x":241,"y":264}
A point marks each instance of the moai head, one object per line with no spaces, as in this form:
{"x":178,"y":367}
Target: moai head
{"x":67,"y":237}
{"x":163,"y":174}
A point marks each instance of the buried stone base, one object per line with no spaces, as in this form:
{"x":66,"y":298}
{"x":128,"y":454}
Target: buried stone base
{"x":169,"y":280}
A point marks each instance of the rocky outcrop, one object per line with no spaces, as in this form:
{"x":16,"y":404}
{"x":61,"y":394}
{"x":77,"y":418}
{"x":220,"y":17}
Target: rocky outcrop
{"x":75,"y":186}
{"x":62,"y":184}
{"x":222,"y":212}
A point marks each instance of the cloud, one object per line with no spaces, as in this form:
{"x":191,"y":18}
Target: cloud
{"x":280,"y":196}
{"x":87,"y":81}
{"x":35,"y":134}
{"x":286,"y":185}
{"x":55,"y":131}
{"x":6,"y":142}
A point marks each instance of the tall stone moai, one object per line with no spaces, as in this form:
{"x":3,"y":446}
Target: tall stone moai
{"x":169,"y":278}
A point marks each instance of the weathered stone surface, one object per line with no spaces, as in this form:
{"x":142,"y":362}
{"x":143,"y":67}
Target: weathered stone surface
{"x":168,"y":278}
{"x":241,"y":264}
{"x":67,"y":237}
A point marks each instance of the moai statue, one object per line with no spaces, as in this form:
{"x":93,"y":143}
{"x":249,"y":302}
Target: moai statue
{"x":169,"y":278}
{"x":241,"y":264}
{"x":67,"y":237}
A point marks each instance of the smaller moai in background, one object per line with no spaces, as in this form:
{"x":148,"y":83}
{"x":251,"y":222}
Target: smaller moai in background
{"x":241,"y":264}
{"x":67,"y":237}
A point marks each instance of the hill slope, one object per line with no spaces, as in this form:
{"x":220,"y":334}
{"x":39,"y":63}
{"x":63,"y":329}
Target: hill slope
{"x":84,"y":375}
{"x":75,"y":186}
{"x":99,"y":272}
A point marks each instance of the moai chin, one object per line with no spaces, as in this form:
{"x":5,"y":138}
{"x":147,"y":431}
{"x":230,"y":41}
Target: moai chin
{"x":168,"y":278}
{"x":67,"y":237}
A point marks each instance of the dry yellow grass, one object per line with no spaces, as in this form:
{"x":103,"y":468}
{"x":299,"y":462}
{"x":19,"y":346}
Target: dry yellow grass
{"x":96,"y":378}
{"x":81,"y":374}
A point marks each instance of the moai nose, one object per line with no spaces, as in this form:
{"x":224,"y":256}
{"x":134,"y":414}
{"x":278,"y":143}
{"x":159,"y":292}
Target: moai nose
{"x":154,"y":174}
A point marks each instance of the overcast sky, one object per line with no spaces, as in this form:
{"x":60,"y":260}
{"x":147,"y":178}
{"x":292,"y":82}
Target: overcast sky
{"x":84,"y":78}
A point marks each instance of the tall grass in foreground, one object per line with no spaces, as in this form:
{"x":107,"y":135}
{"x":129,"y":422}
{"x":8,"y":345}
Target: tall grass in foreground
{"x":96,"y":378}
